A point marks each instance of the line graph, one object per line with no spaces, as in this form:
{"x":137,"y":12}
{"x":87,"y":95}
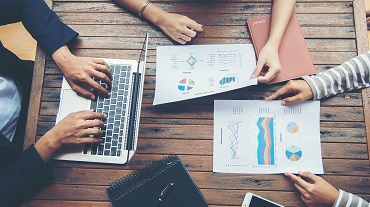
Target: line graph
{"x":234,"y":138}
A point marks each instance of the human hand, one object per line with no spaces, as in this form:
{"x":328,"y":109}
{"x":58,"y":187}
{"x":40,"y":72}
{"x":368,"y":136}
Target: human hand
{"x":268,"y":57}
{"x":75,"y":128}
{"x":297,"y":90}
{"x":80,"y":71}
{"x":180,"y":28}
{"x":315,"y":191}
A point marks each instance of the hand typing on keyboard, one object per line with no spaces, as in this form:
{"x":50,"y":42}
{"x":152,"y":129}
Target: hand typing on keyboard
{"x":75,"y":128}
{"x":80,"y":71}
{"x":116,"y":108}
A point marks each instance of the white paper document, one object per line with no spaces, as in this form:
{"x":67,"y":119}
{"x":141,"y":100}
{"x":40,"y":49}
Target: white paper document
{"x":266,"y":137}
{"x":192,"y":71}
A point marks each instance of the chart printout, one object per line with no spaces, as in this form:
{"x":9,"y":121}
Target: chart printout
{"x":192,"y":71}
{"x":266,"y":137}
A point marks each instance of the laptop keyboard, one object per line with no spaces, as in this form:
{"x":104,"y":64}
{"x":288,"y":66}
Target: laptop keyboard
{"x":115,"y":107}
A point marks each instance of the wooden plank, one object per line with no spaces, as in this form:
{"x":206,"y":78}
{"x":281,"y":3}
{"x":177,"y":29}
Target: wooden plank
{"x":202,"y":163}
{"x":343,"y":124}
{"x":366,"y":103}
{"x":336,"y":132}
{"x":213,"y":196}
{"x":35,"y":98}
{"x":200,"y":7}
{"x":305,"y":20}
{"x":287,"y":199}
{"x":363,"y":46}
{"x":209,"y":31}
{"x":204,"y":147}
{"x":314,"y":45}
{"x":360,"y":25}
{"x":168,"y":131}
{"x":206,"y":111}
{"x":180,"y":121}
{"x":204,"y":181}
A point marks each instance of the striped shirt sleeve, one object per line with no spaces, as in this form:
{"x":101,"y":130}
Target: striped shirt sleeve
{"x":351,"y":75}
{"x":345,"y":199}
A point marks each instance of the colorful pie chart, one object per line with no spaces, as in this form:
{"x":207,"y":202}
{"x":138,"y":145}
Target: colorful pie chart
{"x":186,"y":84}
{"x":293,"y":153}
{"x":292,"y":128}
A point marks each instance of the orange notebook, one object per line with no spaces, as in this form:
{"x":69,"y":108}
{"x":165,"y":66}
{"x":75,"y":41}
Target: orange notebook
{"x":293,"y":53}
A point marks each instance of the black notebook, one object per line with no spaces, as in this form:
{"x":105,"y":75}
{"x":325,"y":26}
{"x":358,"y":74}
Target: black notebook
{"x":164,"y":183}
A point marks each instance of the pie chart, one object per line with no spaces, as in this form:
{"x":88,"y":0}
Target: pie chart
{"x":293,"y":153}
{"x":292,"y":128}
{"x":186,"y":84}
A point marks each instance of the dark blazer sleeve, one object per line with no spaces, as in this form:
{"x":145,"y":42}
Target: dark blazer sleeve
{"x":42,"y":23}
{"x":12,"y":66}
{"x":20,"y":175}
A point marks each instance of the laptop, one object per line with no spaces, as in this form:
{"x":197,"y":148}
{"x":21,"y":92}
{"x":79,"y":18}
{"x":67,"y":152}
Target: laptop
{"x":122,"y":109}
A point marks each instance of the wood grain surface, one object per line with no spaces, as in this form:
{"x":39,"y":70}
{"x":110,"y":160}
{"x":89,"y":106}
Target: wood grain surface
{"x":332,"y":32}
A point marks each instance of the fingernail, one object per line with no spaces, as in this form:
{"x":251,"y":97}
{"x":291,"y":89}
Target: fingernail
{"x":283,"y":102}
{"x":92,"y":97}
{"x":286,"y":174}
{"x":253,"y":76}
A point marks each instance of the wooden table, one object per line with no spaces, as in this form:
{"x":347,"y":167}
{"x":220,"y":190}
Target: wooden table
{"x":335,"y":31}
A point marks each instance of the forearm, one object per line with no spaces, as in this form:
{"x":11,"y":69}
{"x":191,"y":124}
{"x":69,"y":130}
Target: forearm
{"x":282,"y":11}
{"x":46,"y":146}
{"x":347,"y":199}
{"x":353,"y":74}
{"x":151,"y":12}
{"x":61,"y":55}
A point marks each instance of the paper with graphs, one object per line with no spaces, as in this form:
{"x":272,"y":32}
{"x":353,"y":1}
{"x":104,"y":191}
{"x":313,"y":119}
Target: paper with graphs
{"x":266,"y":137}
{"x":192,"y":71}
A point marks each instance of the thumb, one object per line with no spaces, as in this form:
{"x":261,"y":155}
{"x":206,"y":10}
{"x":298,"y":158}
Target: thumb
{"x":292,"y":99}
{"x":258,"y":69}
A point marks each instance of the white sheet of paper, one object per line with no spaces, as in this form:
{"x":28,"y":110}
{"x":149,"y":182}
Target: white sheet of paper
{"x":192,"y":71}
{"x":266,"y":137}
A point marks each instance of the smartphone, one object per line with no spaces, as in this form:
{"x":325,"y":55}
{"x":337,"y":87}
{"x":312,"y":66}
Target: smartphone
{"x":252,"y":200}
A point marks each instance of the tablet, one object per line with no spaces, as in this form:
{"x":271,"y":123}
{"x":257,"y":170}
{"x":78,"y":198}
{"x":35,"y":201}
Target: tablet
{"x":252,"y":200}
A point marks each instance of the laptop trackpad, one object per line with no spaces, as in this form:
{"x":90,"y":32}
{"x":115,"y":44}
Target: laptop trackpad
{"x":71,"y":102}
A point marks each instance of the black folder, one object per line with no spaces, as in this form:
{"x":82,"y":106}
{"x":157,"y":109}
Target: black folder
{"x":164,"y":183}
